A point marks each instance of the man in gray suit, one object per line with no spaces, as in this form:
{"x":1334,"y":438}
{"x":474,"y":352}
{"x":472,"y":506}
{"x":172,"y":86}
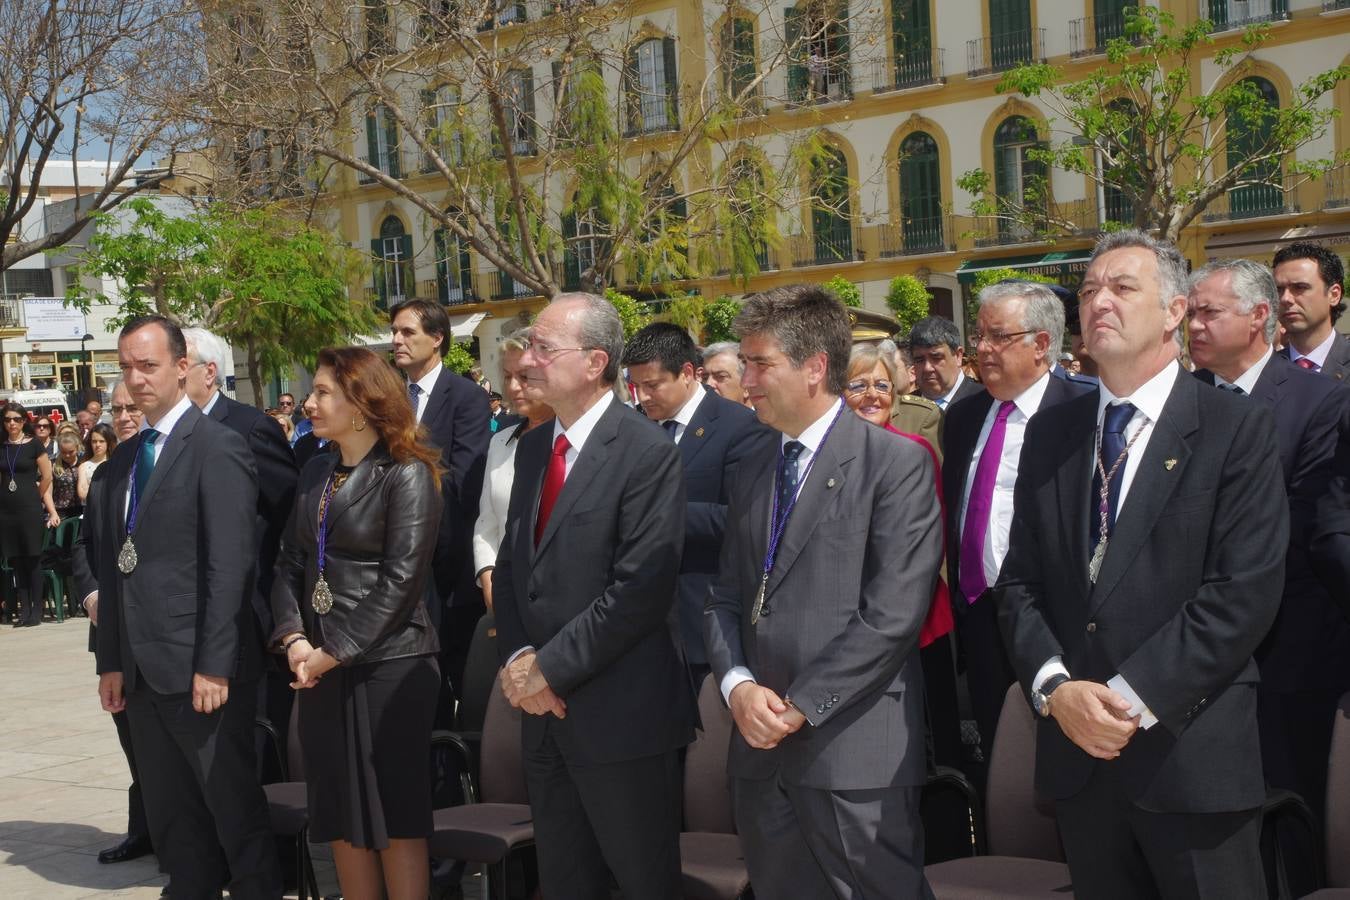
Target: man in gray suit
{"x":831,"y":554}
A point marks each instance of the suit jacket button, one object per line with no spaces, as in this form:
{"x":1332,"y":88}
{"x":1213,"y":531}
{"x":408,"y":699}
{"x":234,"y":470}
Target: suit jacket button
{"x":1091,"y":627}
{"x":834,"y":699}
{"x":765,"y":610}
{"x":533,"y":595}
{"x":821,"y":709}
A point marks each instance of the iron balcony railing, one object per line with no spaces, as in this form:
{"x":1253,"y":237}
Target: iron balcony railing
{"x":1336,"y":183}
{"x":834,"y":243}
{"x":1276,"y":197}
{"x":912,"y":236}
{"x":1000,"y":52}
{"x":922,"y":67}
{"x":1091,"y":34}
{"x":1074,"y":217}
{"x":502,"y":286}
{"x":1226,"y":14}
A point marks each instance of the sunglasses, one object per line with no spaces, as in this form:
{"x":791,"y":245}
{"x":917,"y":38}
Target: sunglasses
{"x":47,"y":425}
{"x":15,"y":419}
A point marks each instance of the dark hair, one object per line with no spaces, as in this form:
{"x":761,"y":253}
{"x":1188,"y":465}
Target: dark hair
{"x":493,"y":395}
{"x":10,"y":406}
{"x":432,"y":315}
{"x":106,"y":432}
{"x":177,"y":343}
{"x":285,"y":394}
{"x":375,"y":388}
{"x":662,"y":342}
{"x":805,"y":319}
{"x":1329,"y":266}
{"x":932,"y":331}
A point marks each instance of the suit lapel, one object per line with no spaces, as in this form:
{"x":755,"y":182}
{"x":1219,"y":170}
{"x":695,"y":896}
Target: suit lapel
{"x":1153,"y":485}
{"x":590,"y":462}
{"x":436,"y":399}
{"x":700,"y":428}
{"x":168,"y":456}
{"x":221,"y":409}
{"x":965,"y":443}
{"x":1073,"y":486}
{"x":1269,"y":385}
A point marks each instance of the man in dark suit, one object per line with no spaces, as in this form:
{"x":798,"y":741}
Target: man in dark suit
{"x":1330,"y":548}
{"x":583,"y":593}
{"x":1305,"y":660}
{"x":715,"y":436}
{"x":1311,"y":282}
{"x":1021,"y":328}
{"x":177,"y":644}
{"x":935,"y":346}
{"x":455,"y":413}
{"x":275,"y":464}
{"x":1131,"y":600}
{"x":832,"y":551}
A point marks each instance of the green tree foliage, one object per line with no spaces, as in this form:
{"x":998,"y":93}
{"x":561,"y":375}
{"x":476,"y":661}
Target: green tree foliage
{"x":847,"y":292}
{"x":986,"y":277}
{"x":908,"y":298}
{"x":718,"y":319}
{"x":689,"y":312}
{"x":458,"y":359}
{"x":1159,"y":147}
{"x":262,"y":281}
{"x":633,"y":313}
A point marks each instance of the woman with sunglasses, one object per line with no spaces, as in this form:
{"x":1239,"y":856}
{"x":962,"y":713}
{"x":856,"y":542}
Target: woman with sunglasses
{"x":25,"y":484}
{"x":45,"y":432}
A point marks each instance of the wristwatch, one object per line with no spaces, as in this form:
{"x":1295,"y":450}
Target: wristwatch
{"x":1041,"y":699}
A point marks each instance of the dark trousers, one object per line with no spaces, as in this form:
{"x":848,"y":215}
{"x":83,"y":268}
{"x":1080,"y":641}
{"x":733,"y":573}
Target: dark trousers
{"x":941,"y":703}
{"x":590,"y":821}
{"x":807,"y":842}
{"x":208,"y":816}
{"x":988,"y":672}
{"x":1117,"y":850}
{"x":1295,"y":729}
{"x":137,"y":827}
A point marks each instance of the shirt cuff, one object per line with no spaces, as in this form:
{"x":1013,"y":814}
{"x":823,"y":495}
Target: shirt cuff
{"x":1137,"y":707}
{"x":84,"y":604}
{"x":1052,"y":666}
{"x":737,"y":675}
{"x":528,"y":648}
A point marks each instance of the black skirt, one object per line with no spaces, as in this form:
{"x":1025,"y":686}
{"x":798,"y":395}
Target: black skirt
{"x":365,"y":733}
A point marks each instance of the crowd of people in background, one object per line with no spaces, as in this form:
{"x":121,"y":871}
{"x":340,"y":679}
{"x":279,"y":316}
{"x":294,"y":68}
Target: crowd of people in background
{"x":852,"y":542}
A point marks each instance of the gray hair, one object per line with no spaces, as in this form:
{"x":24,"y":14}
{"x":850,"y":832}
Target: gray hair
{"x":1172,"y":267}
{"x":599,"y":328}
{"x":208,"y":348}
{"x":1043,"y":311}
{"x":864,"y":357}
{"x":516,"y":341}
{"x":721,"y":347}
{"x":805,"y":319}
{"x":1252,"y":283}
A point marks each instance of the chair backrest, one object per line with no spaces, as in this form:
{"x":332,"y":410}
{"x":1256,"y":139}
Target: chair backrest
{"x":480,"y":676}
{"x":501,"y":776}
{"x":707,"y":792}
{"x":295,"y":760}
{"x":1338,"y":799}
{"x":1018,"y":824}
{"x":67,"y":532}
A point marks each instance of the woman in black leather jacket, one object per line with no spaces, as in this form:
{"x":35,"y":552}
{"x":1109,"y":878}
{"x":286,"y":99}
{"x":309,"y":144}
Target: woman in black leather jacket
{"x":348,"y":602}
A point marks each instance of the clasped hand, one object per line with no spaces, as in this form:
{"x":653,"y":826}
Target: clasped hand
{"x":308,"y":663}
{"x":762,"y":717}
{"x":1094,"y":717}
{"x":526,"y":688}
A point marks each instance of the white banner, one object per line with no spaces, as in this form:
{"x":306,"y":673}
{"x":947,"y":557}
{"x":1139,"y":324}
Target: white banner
{"x":49,"y":319}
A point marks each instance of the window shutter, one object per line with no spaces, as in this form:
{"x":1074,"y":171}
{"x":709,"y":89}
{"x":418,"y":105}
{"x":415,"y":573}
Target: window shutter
{"x":391,"y":141}
{"x":671,"y":59}
{"x":438,"y":239}
{"x":372,"y":141}
{"x":377,"y":263}
{"x":526,"y":129}
{"x":797,"y":73}
{"x":406,"y":266}
{"x":632,"y":94}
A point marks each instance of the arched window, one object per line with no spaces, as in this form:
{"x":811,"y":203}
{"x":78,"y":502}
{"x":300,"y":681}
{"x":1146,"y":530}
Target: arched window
{"x":831,"y":229}
{"x":651,"y":87}
{"x":454,"y":271}
{"x":665,"y":251}
{"x":1250,"y":122}
{"x":1019,"y":180}
{"x":393,"y":259}
{"x":920,"y":194}
{"x":747,"y":212}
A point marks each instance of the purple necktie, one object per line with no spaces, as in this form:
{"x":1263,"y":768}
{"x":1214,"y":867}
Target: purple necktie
{"x":972,"y":581}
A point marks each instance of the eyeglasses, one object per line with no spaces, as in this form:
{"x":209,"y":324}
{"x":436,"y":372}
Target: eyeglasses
{"x":285,"y":403}
{"x":860,"y":386}
{"x":19,"y":419}
{"x":46,"y":425}
{"x":129,"y":410}
{"x":998,"y":339}
{"x":548,"y":352}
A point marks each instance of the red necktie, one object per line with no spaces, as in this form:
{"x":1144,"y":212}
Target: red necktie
{"x":1304,"y":363}
{"x":553,"y":483}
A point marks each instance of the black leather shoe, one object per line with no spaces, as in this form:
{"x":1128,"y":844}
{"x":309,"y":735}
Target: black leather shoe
{"x":131,"y":848}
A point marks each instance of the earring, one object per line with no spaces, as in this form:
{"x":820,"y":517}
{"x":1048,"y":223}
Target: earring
{"x":356,"y":427}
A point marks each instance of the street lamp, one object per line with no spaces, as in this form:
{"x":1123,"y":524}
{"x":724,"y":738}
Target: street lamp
{"x":88,"y":368}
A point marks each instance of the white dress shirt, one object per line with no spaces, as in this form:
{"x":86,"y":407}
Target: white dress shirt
{"x":956,"y":386}
{"x":164,"y":426}
{"x":211,"y":403}
{"x":686,"y":413}
{"x":1001,"y":507}
{"x":1318,"y":354}
{"x":1247,"y":380}
{"x":499,"y":475}
{"x":1148,"y":401}
{"x":426,"y":383}
{"x":810,"y":439}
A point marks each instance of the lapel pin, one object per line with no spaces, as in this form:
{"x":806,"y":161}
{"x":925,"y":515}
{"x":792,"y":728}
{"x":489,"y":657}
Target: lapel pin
{"x":1169,"y":464}
{"x":830,"y":483}
{"x":698,"y":433}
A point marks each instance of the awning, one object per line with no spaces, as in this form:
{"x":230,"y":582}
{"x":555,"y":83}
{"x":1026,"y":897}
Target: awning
{"x":1262,"y":244}
{"x":1065,"y":266}
{"x":461,"y":327}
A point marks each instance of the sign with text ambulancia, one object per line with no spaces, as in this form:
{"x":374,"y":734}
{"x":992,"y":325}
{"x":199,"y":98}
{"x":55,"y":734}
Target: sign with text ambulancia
{"x":49,"y":319}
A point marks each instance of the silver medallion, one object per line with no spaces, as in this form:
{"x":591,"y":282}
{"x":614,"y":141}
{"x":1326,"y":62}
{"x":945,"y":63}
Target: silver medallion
{"x":759,"y":601}
{"x":126,"y":558}
{"x":12,"y":486}
{"x":1095,"y":564}
{"x":323,"y":597}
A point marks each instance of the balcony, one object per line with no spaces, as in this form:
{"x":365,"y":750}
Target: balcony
{"x":1334,"y":5}
{"x":914,"y":236}
{"x":455,"y":294}
{"x":764,"y":259}
{"x":503,"y":287}
{"x":507,"y":14}
{"x":9,"y":313}
{"x":827,"y":246}
{"x":1000,"y":52}
{"x":915,"y":70}
{"x":1075,"y":217}
{"x":1278,"y":198}
{"x":1336,"y":183}
{"x":820,"y":81}
{"x":1090,"y":35}
{"x":1224,"y":15}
